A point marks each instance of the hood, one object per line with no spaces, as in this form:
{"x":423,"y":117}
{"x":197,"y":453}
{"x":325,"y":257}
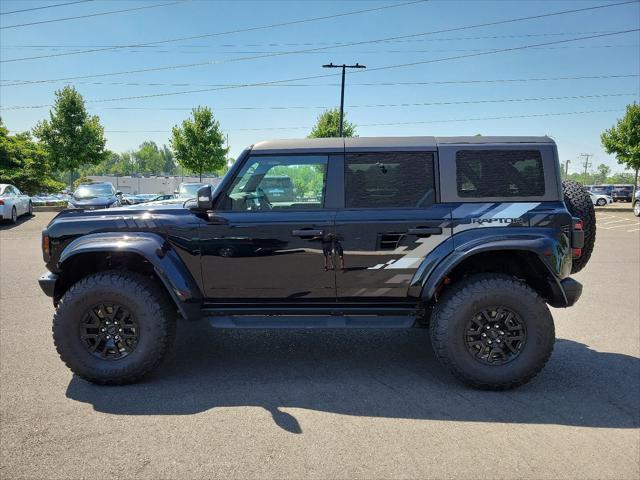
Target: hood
{"x":93,"y":202}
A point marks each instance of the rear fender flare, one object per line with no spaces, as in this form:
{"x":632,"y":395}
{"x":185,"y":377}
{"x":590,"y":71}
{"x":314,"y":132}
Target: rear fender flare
{"x":167,"y":265}
{"x":547,"y":250}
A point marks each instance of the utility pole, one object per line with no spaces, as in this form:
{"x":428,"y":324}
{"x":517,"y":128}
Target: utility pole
{"x":344,"y":68}
{"x":586,"y":164}
{"x":566,"y":168}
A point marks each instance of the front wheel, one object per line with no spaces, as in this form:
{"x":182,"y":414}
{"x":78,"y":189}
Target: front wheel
{"x":636,"y":208}
{"x":601,"y":202}
{"x":14,"y":216}
{"x":113,"y":327}
{"x":492,"y":332}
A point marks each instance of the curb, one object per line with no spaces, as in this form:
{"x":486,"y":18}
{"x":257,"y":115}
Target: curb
{"x":614,"y":209}
{"x":48,"y":208}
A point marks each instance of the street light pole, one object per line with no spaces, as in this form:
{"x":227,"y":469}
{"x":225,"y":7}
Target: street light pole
{"x":344,"y":68}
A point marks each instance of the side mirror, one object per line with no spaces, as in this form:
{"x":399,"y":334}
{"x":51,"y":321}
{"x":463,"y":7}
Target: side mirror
{"x":205,"y":201}
{"x":118,"y":193}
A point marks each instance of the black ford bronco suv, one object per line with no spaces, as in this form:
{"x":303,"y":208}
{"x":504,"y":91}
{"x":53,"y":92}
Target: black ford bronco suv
{"x":471,"y":237}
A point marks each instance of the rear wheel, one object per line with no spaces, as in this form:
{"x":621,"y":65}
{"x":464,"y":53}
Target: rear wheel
{"x":579,"y":204}
{"x":113,"y":327}
{"x":30,"y":210}
{"x":636,"y":208}
{"x":492,"y":332}
{"x":14,"y":215}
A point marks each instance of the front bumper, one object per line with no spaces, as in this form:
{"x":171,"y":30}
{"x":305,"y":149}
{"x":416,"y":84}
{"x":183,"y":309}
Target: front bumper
{"x":48,"y":283}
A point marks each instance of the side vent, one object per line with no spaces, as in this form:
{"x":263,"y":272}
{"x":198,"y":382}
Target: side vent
{"x":389,"y":241}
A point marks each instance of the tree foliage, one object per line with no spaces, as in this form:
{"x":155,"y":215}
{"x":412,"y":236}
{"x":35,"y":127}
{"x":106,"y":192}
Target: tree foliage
{"x":623,"y":139}
{"x":198,"y":145}
{"x":24,"y":163}
{"x":71,"y":137}
{"x":328,"y":125}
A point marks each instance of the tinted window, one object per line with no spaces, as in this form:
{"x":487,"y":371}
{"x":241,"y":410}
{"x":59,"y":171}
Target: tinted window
{"x":295,"y":182}
{"x":389,"y":180}
{"x":499,"y":173}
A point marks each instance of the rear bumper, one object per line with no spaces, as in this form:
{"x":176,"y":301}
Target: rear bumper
{"x":565,"y":293}
{"x":47,"y":283}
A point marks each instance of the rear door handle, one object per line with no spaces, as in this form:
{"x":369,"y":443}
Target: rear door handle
{"x":425,"y":231}
{"x":307,"y":232}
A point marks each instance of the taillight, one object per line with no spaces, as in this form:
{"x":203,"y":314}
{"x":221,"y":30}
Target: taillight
{"x":1,"y":202}
{"x":576,"y":252}
{"x":578,"y":225}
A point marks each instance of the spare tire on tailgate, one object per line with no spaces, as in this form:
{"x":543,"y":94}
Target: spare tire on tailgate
{"x":578,"y":202}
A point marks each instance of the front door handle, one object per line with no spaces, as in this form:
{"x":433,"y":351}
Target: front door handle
{"x":307,"y":232}
{"x":425,"y":231}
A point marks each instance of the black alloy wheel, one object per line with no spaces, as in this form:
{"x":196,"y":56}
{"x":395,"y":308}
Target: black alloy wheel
{"x":109,"y":331}
{"x":495,"y":336}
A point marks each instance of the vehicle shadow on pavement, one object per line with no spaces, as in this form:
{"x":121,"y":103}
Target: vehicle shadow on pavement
{"x":374,"y":373}
{"x":6,"y":225}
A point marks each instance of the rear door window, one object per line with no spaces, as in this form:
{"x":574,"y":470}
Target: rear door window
{"x":389,"y":180}
{"x":499,"y":173}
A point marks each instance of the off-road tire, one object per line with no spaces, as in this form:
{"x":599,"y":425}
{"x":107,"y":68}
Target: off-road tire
{"x":153,"y":312}
{"x":462,"y":301}
{"x":579,"y":204}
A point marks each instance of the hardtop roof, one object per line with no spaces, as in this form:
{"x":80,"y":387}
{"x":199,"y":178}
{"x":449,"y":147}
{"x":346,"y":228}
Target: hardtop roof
{"x":363,"y":144}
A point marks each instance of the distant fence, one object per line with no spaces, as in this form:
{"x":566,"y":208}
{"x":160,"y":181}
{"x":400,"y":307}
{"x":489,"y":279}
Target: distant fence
{"x":150,"y":184}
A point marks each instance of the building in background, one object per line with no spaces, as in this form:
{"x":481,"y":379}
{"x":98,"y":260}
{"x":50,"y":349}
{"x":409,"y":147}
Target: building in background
{"x":134,"y":185}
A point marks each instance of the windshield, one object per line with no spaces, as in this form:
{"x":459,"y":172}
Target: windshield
{"x":92,"y":191}
{"x":189,"y":190}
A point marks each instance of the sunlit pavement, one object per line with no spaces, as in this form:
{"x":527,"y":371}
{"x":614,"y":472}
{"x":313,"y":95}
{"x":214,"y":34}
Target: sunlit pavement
{"x":325,"y":404}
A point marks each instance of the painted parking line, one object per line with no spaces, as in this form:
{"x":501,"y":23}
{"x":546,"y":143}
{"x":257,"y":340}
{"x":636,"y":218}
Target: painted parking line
{"x":615,"y":221}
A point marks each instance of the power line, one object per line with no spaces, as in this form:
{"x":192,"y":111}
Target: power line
{"x":308,"y":44}
{"x":365,"y":52}
{"x":145,"y":7}
{"x":313,"y":77}
{"x":371,"y":105}
{"x":228,"y":32}
{"x":367,"y":84}
{"x":390,"y":124}
{"x":347,"y":44}
{"x":46,"y":6}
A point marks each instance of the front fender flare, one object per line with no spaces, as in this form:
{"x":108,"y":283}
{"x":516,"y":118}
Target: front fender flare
{"x":168,"y":266}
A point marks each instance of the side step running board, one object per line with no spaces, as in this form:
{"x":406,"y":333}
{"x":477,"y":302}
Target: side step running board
{"x":311,"y":321}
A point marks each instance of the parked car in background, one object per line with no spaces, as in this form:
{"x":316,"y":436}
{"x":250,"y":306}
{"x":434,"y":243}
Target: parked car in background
{"x":164,"y":196}
{"x":636,"y":204}
{"x":13,"y":203}
{"x":622,"y":193}
{"x":187,"y":190}
{"x":92,"y":196}
{"x":600,"y":199}
{"x":600,"y":189}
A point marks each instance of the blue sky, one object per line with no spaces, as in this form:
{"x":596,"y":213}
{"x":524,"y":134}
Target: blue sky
{"x":129,"y":122}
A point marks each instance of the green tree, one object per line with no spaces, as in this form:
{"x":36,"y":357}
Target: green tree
{"x":623,"y":140}
{"x":24,"y":163}
{"x":198,"y":145}
{"x":71,"y":137}
{"x":149,"y":158}
{"x":328,"y":125}
{"x":602,"y":172}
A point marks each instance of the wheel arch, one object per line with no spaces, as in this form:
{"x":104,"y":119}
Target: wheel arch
{"x":517,"y":261}
{"x":148,"y":254}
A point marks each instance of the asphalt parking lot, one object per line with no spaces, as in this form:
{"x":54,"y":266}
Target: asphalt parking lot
{"x":325,"y":404}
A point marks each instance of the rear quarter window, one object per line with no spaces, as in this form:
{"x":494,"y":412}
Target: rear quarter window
{"x":499,"y":173}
